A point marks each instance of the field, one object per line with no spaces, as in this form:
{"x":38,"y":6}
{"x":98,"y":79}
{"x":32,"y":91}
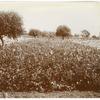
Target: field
{"x":51,"y":67}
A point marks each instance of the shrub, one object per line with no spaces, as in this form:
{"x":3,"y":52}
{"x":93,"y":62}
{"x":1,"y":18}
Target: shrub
{"x":38,"y":33}
{"x":43,"y":65}
{"x":63,"y":31}
{"x":48,"y":34}
{"x":34,"y":32}
{"x":95,"y":37}
{"x":44,"y":34}
{"x":85,"y":34}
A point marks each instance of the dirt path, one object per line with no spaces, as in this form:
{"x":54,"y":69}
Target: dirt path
{"x":66,"y":94}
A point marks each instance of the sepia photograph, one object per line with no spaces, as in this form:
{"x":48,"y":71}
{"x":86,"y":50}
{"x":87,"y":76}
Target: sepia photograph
{"x":50,"y":49}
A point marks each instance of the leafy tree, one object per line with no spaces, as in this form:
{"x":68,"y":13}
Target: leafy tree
{"x":34,"y":32}
{"x":85,"y":34}
{"x":10,"y":25}
{"x":63,"y":31}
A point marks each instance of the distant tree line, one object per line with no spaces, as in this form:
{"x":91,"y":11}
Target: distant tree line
{"x":11,"y":25}
{"x":61,"y":31}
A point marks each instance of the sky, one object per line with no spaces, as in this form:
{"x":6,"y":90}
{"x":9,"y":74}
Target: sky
{"x":47,"y":16}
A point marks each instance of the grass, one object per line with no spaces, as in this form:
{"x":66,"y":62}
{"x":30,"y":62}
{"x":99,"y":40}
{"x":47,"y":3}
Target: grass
{"x":46,"y":65}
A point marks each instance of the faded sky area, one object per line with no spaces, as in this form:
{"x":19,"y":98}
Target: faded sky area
{"x":48,"y":15}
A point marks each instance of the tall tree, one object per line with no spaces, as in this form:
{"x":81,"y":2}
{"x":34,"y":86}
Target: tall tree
{"x":10,"y":25}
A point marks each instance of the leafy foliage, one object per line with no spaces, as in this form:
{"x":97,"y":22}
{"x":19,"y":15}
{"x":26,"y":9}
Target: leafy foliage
{"x":85,"y":34}
{"x":38,"y":33}
{"x":44,"y":65}
{"x":95,"y":37}
{"x":34,"y":32}
{"x":63,"y":31}
{"x":10,"y":24}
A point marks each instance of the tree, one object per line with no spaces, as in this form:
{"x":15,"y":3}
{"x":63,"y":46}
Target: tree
{"x":10,"y":25}
{"x":63,"y":31}
{"x":85,"y":34}
{"x":34,"y":32}
{"x":95,"y":37}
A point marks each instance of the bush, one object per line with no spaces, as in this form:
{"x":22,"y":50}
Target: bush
{"x":34,"y":32}
{"x":95,"y":37}
{"x":63,"y":31}
{"x":44,"y":34}
{"x":44,"y":65}
{"x":48,"y":34}
{"x":85,"y":34}
{"x":10,"y":25}
{"x":38,"y":33}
